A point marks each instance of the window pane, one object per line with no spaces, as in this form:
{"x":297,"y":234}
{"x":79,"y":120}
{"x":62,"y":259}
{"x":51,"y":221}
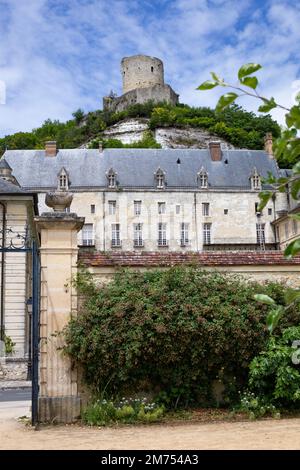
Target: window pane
{"x":112,"y":207}
{"x":161,"y":207}
{"x":206,"y":234}
{"x":286,"y":228}
{"x":184,"y":233}
{"x":115,"y":235}
{"x":295,"y":226}
{"x":162,"y":234}
{"x":205,"y":208}
{"x":137,"y":235}
{"x":87,"y":234}
{"x":137,"y":207}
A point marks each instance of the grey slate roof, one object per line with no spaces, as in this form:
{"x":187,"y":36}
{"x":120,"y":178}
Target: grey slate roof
{"x":6,"y":187}
{"x":4,"y":164}
{"x":135,"y":168}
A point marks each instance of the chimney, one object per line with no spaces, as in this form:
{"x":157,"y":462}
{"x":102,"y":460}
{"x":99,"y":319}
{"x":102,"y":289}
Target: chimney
{"x":215,"y":151}
{"x":269,"y":144}
{"x":100,"y":147}
{"x":50,"y":148}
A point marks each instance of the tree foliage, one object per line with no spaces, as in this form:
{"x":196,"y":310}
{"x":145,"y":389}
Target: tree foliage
{"x":241,"y":128}
{"x":274,"y":377}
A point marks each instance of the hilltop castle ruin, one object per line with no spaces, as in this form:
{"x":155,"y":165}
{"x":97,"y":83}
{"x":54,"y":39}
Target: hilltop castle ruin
{"x":143,"y":80}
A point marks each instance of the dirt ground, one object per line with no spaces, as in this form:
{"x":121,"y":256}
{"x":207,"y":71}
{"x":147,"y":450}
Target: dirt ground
{"x":264,"y":434}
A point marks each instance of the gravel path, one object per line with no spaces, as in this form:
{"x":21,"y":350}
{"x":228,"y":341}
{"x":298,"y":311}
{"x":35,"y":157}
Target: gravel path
{"x":267,"y":434}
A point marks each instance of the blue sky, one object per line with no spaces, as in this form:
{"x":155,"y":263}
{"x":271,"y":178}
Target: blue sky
{"x":59,"y":55}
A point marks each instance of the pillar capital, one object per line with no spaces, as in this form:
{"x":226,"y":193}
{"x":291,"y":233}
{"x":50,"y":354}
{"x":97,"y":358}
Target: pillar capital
{"x":59,"y":221}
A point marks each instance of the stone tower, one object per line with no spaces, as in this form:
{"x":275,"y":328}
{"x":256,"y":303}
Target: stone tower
{"x":141,"y":71}
{"x":143,"y":80}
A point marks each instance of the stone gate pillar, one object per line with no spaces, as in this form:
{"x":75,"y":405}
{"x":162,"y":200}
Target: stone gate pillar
{"x":58,"y":395}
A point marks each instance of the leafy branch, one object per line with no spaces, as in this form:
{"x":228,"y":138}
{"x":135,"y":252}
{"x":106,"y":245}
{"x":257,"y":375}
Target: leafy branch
{"x":287,"y":146}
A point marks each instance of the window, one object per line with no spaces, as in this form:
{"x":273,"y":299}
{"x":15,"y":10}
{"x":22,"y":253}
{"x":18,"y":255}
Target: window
{"x":111,"y":177}
{"x":286,"y":229}
{"x":270,"y":211}
{"x":138,"y":234}
{"x":205,"y":208}
{"x":184,"y":234}
{"x":255,"y":180}
{"x":63,"y":180}
{"x":115,"y":235}
{"x":162,"y":234}
{"x":137,"y":207}
{"x":260,"y":233}
{"x":202,"y":178}
{"x":87,"y":235}
{"x":161,"y":207}
{"x":160,"y":179}
{"x":92,"y":208}
{"x":295,"y":226}
{"x":225,"y":211}
{"x":177,"y":209}
{"x":206,"y":234}
{"x":112,"y":207}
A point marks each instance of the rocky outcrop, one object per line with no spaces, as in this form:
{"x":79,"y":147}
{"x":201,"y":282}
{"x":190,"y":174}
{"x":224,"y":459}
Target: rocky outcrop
{"x":132,"y":130}
{"x":187,"y":137}
{"x":128,"y":131}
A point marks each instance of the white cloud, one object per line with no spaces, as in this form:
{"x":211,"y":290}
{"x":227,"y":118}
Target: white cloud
{"x":57,"y":56}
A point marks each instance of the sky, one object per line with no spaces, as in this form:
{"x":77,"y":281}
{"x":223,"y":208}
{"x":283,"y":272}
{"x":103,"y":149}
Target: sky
{"x":60,"y":55}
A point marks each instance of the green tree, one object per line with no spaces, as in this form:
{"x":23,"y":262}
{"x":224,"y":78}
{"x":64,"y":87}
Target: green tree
{"x":78,"y":115}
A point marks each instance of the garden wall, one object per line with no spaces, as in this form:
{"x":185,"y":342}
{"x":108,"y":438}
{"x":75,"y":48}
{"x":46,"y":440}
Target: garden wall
{"x":258,"y":266}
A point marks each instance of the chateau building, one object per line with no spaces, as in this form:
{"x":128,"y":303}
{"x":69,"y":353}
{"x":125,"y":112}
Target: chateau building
{"x":159,"y":199}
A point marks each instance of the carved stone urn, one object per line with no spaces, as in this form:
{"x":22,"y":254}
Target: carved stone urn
{"x":59,"y":200}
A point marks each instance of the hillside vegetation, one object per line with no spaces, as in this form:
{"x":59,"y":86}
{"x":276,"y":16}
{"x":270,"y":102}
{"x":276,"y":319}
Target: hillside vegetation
{"x":241,"y":128}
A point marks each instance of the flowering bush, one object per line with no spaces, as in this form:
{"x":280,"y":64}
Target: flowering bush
{"x":130,"y":410}
{"x":257,"y":407}
{"x":171,"y":333}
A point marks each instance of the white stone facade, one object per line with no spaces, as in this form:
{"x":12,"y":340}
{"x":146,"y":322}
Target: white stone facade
{"x":232,"y":215}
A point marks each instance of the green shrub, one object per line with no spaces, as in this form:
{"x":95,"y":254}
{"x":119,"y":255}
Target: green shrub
{"x":172,"y":333}
{"x":9,"y":345}
{"x":102,"y":412}
{"x":273,"y":376}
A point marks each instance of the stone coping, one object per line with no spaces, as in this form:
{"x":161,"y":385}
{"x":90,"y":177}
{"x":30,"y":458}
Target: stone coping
{"x":211,"y":258}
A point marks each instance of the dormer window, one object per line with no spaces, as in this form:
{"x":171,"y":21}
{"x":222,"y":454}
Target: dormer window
{"x":63,"y":180}
{"x":160,"y":179}
{"x":255,"y":180}
{"x":202,"y":179}
{"x":111,"y":177}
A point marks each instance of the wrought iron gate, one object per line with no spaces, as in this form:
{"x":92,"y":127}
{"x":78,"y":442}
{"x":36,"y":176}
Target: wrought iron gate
{"x":20,"y":243}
